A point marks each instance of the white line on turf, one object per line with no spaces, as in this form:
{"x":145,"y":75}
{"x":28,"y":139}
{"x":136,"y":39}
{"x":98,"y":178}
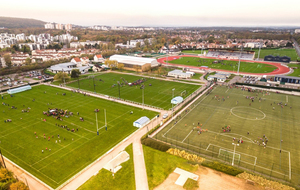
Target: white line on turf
{"x":187,"y":136}
{"x":287,"y":98}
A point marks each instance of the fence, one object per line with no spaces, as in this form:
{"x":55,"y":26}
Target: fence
{"x":271,"y":170}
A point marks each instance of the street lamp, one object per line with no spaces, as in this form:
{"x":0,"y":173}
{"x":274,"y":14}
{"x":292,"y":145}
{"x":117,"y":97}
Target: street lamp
{"x":234,"y":152}
{"x":143,"y":95}
{"x":63,"y":73}
{"x":171,"y":101}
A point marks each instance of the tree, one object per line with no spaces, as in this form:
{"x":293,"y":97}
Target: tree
{"x":75,"y":73}
{"x":62,"y":76}
{"x":136,"y":68}
{"x":163,"y":41}
{"x":120,"y":66}
{"x":18,"y":186}
{"x":147,"y":68}
{"x":27,"y":61}
{"x":111,"y":63}
{"x":7,"y":59}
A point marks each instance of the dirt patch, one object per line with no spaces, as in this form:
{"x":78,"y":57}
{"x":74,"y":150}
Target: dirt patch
{"x":210,"y":179}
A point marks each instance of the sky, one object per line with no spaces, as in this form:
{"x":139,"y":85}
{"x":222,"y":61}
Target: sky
{"x":158,"y":12}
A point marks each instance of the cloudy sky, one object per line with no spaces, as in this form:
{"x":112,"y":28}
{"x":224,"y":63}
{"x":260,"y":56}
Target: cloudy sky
{"x":158,"y":12}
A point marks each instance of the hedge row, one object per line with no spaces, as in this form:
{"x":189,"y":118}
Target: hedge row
{"x":223,"y":168}
{"x":156,"y":144}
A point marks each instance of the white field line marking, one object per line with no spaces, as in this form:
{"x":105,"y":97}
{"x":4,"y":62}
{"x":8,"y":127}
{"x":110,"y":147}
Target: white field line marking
{"x":287,"y":98}
{"x":187,"y":113}
{"x":208,"y":146}
{"x":54,"y":153}
{"x":227,"y":90}
{"x":290,"y":168}
{"x":241,"y":160}
{"x":187,"y":136}
{"x":29,"y":166}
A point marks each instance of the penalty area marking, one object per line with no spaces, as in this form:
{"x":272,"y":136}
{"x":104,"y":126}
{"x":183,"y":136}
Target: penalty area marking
{"x":231,"y":111}
{"x":187,"y":136}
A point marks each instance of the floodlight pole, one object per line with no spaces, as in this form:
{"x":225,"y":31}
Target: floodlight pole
{"x":105,"y":118}
{"x":96,"y":121}
{"x":64,"y":77}
{"x":78,"y":83}
{"x":2,"y":159}
{"x":238,"y":71}
{"x":143,"y":96}
{"x":259,"y":51}
{"x":171,"y":102}
{"x":94,"y":83}
{"x":234,"y":152}
{"x":119,"y":90}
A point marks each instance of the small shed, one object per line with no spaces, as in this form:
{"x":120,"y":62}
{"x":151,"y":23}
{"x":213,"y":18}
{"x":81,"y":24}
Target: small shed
{"x":141,"y":122}
{"x":177,"y":100}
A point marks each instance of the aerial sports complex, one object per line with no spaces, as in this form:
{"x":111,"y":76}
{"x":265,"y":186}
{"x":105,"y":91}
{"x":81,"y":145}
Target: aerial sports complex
{"x":226,"y":64}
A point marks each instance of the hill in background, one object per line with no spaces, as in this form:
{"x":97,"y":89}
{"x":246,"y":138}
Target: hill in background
{"x":10,"y":22}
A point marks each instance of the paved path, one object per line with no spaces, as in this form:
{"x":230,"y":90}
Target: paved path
{"x":88,"y":173}
{"x":23,"y":176}
{"x":141,"y":180}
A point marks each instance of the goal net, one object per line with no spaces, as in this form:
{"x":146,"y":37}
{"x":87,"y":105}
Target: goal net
{"x":228,"y":155}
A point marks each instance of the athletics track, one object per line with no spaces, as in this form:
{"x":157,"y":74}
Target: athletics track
{"x":281,"y":69}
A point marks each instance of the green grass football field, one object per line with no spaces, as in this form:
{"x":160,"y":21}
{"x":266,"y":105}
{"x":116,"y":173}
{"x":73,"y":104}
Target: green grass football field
{"x":277,"y":52}
{"x":73,"y":151}
{"x":159,"y":94}
{"x":258,"y":119}
{"x":296,"y":72}
{"x":225,"y":65}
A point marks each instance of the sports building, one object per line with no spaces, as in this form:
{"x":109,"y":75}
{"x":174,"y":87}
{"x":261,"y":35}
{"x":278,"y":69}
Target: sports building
{"x":284,"y":59}
{"x":287,"y":79}
{"x":231,"y":54}
{"x":131,"y":62}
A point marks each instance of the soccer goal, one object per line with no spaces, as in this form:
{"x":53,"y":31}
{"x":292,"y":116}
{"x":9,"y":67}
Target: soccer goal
{"x":228,"y":155}
{"x":183,"y":93}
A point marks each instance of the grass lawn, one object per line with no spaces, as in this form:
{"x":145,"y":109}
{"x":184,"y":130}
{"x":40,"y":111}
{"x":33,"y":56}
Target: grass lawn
{"x":225,"y":65}
{"x":197,"y":51}
{"x":259,"y":119}
{"x":280,"y":52}
{"x":123,"y":179}
{"x":160,"y":165}
{"x":159,"y":94}
{"x":296,"y":72}
{"x":197,"y":76}
{"x":77,"y":149}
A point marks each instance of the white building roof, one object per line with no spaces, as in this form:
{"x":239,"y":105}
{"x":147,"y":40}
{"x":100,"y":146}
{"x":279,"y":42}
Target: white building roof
{"x":141,"y":122}
{"x":66,"y":67}
{"x":177,"y":100}
{"x":132,"y":60}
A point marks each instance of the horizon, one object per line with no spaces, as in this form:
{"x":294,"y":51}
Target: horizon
{"x":160,"y":14}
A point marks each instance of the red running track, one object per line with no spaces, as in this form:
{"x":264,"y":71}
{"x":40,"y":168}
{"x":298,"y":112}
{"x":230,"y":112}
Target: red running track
{"x":281,"y":69}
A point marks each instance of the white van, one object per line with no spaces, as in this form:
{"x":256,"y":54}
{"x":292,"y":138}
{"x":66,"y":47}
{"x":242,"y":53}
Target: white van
{"x":165,"y":115}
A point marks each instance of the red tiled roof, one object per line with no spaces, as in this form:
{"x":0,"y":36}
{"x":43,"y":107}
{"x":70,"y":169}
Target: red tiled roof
{"x":77,"y":59}
{"x":99,"y":56}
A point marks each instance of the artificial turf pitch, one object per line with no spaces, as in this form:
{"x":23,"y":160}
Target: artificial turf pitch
{"x":159,"y":94}
{"x":77,"y":149}
{"x":228,"y":65}
{"x":258,"y":119}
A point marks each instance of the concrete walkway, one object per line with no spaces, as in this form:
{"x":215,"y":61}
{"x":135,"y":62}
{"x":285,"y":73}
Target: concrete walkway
{"x":101,"y":162}
{"x":141,"y":180}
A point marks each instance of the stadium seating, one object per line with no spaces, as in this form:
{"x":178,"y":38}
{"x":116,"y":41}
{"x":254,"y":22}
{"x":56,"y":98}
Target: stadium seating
{"x":19,"y":89}
{"x":230,"y":55}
